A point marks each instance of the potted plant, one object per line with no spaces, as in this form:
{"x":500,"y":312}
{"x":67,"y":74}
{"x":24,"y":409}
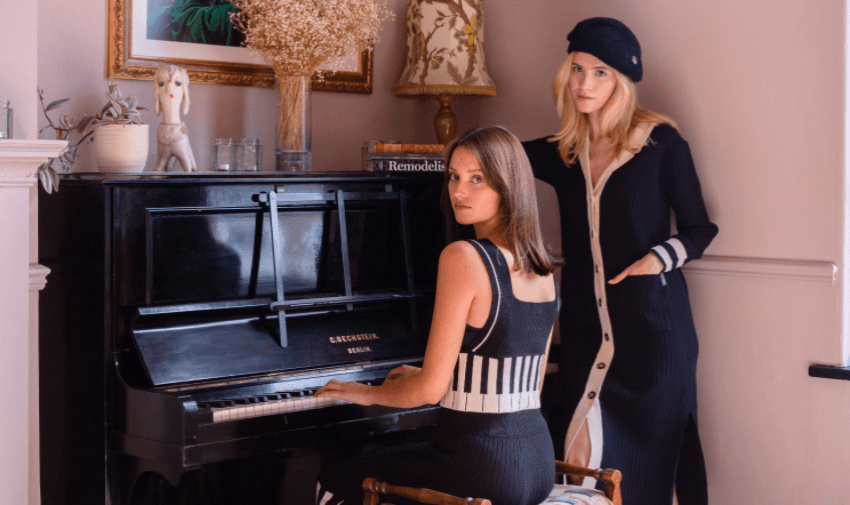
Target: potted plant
{"x":75,"y":132}
{"x":120,"y":138}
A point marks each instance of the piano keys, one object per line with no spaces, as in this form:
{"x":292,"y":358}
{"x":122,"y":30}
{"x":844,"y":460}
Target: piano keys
{"x":190,"y":317}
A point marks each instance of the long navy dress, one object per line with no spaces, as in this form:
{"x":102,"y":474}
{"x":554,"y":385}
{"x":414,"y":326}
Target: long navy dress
{"x":631,"y":348}
{"x":491,"y":440}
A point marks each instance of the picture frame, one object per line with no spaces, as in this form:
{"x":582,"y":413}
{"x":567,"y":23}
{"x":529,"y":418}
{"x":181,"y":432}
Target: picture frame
{"x":132,"y":56}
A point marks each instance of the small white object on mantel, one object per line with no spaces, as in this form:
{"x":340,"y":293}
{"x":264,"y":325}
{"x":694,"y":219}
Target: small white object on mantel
{"x":172,"y":136}
{"x":20,"y":277}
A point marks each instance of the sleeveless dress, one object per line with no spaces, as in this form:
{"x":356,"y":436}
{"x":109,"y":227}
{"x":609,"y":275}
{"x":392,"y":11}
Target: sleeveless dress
{"x":491,"y":440}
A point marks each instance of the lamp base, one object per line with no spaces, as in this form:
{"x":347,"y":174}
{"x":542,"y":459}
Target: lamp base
{"x":446,"y":122}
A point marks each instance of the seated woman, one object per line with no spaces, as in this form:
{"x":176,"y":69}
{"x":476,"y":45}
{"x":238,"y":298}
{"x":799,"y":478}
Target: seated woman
{"x":496,"y":303}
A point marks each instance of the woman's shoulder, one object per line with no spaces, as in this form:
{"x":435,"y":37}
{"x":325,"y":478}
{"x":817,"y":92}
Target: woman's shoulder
{"x":541,"y":147}
{"x":461,"y":262}
{"x":461,"y":254}
{"x":545,"y":159}
{"x":665,"y":134}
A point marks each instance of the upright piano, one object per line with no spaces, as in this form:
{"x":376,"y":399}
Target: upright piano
{"x":188,"y":319}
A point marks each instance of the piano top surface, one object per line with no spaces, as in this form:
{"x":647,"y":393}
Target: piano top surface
{"x":248,"y":177}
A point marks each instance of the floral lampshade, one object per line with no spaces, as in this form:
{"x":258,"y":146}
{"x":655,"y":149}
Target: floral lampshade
{"x":445,"y":56}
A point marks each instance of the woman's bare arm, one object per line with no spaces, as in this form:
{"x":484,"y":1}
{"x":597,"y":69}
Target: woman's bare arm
{"x":460,"y":278}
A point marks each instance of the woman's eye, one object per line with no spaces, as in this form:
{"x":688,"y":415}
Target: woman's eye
{"x":161,"y":83}
{"x":452,"y":177}
{"x":179,"y":83}
{"x":477,"y":179}
{"x":601,"y":73}
{"x":577,"y":70}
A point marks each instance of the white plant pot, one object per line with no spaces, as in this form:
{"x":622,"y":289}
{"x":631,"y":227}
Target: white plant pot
{"x":121,"y":148}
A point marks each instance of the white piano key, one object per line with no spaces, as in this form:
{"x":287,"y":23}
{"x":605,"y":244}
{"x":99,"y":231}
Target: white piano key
{"x":491,"y":400}
{"x":449,"y":398}
{"x":474,"y":400}
{"x":505,"y":397}
{"x":460,"y":394}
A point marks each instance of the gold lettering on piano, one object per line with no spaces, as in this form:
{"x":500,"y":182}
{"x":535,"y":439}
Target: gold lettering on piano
{"x":356,"y":350}
{"x":360,"y":337}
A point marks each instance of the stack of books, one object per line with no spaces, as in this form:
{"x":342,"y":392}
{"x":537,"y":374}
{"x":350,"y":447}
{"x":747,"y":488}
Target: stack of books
{"x":403,"y":158}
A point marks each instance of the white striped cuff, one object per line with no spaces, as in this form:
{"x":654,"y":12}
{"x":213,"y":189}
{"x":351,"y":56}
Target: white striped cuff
{"x":672,"y":253}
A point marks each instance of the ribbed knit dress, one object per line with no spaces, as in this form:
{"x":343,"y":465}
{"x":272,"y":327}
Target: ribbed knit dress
{"x":629,"y":350}
{"x":491,"y":440}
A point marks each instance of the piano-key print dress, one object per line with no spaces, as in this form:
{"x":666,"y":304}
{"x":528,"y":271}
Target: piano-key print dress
{"x":490,"y":440}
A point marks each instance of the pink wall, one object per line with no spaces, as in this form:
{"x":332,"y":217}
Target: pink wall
{"x":17,"y":74}
{"x":757,"y":88}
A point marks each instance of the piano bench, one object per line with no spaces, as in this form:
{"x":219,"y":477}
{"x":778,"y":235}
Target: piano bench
{"x":561,"y":493}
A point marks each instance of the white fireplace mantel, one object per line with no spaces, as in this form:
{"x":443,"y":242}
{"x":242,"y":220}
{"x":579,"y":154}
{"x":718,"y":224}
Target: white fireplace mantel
{"x":21,"y":277}
{"x":19,"y":159}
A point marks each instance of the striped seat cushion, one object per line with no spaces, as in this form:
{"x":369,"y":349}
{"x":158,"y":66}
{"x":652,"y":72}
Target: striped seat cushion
{"x":565,"y":494}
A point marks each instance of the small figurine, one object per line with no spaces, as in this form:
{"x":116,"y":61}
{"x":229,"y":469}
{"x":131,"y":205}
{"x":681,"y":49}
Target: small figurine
{"x":172,"y":87}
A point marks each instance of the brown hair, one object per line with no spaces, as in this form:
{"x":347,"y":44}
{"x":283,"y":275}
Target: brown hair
{"x":507,"y":170}
{"x":620,"y":115}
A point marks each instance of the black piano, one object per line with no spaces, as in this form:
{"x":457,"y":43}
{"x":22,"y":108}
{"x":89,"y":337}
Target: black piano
{"x":188,"y":319}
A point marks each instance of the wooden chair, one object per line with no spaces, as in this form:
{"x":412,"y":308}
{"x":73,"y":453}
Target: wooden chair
{"x":560,"y":494}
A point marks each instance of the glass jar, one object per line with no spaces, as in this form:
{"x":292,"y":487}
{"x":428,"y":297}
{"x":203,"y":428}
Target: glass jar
{"x":249,"y":155}
{"x":224,"y":155}
{"x":5,"y":120}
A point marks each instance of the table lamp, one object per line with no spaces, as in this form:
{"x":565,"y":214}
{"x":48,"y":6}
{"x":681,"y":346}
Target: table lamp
{"x":445,"y":56}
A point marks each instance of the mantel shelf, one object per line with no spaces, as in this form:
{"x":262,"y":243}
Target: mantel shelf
{"x":19,"y":159}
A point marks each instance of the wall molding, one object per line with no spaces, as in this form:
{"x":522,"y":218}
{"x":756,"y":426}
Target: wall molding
{"x":38,"y":276}
{"x":764,"y":268}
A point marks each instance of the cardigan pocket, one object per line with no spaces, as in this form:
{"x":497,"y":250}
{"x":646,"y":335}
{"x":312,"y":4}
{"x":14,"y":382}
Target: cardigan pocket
{"x":639,"y":303}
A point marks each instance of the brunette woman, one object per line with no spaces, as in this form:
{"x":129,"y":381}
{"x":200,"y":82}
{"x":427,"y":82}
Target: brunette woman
{"x":629,"y":348}
{"x":495,"y":307}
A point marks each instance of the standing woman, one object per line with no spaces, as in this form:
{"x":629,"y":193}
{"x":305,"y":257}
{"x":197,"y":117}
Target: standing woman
{"x":496,"y":303}
{"x":629,"y":347}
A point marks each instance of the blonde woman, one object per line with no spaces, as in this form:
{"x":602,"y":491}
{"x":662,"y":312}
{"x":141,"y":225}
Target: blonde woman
{"x":495,"y":307}
{"x":627,"y":385}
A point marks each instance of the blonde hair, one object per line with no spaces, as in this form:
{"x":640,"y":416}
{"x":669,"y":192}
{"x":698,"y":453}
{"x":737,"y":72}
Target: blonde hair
{"x":621,"y":114}
{"x":507,"y":170}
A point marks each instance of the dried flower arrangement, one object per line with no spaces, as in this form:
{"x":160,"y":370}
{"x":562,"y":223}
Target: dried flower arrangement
{"x":299,"y":36}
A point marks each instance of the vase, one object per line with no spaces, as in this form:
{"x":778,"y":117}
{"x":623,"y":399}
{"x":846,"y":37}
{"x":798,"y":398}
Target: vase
{"x":293,"y":147}
{"x":121,"y":148}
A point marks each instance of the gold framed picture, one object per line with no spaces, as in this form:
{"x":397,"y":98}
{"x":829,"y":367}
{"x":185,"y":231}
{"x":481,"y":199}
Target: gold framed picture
{"x":198,"y":35}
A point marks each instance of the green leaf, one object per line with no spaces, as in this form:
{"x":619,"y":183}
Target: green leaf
{"x":55,"y":104}
{"x":84,"y":123}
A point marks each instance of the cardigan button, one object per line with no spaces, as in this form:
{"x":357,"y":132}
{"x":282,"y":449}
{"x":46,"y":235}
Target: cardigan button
{"x":601,"y":366}
{"x":591,"y":395}
{"x":607,"y":338}
{"x":600,"y":302}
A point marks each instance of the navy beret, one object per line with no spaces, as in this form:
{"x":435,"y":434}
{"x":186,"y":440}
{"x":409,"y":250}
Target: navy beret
{"x":611,"y":41}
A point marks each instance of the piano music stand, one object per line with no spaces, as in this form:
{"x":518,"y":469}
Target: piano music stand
{"x":349,"y":298}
